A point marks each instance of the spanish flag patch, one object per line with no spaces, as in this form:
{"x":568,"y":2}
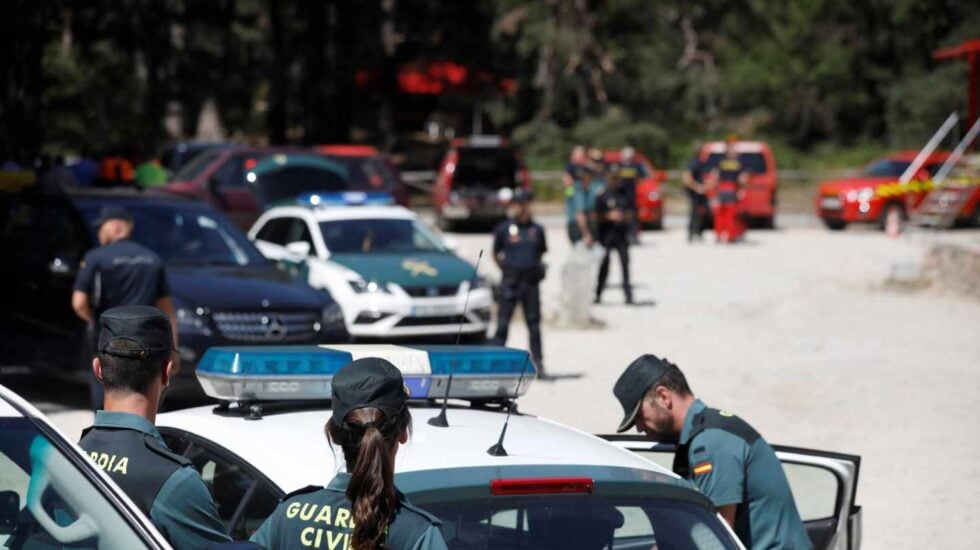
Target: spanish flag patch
{"x":702,"y":468}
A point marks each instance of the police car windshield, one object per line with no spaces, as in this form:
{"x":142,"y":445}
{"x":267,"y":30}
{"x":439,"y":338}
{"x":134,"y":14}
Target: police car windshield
{"x":185,"y":234}
{"x":366,"y":173}
{"x":379,"y":236}
{"x":490,"y":167}
{"x":574,"y":521}
{"x":293,"y":181}
{"x":754,"y":163}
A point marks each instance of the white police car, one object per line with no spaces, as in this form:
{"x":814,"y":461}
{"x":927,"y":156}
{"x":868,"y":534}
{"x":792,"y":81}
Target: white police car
{"x":391,"y":275}
{"x":552,"y":487}
{"x":53,"y":496}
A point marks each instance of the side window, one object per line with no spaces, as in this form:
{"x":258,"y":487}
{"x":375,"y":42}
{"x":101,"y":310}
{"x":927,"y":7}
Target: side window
{"x":814,"y":490}
{"x":300,"y":232}
{"x":243,"y":502}
{"x":276,"y":231}
{"x":231,"y":173}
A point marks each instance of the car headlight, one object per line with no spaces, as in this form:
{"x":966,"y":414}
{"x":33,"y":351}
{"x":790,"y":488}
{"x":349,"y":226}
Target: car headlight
{"x":332,"y":315}
{"x":866,"y":194}
{"x":852,"y":195}
{"x":192,"y":320}
{"x":367,"y":287}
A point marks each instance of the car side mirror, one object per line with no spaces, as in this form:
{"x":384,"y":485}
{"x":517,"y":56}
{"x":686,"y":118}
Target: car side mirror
{"x":9,"y":511}
{"x":299,"y":249}
{"x":63,"y":265}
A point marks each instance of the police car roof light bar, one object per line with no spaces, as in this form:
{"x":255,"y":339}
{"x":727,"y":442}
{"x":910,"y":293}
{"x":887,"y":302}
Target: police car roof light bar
{"x":498,"y":448}
{"x":441,"y":421}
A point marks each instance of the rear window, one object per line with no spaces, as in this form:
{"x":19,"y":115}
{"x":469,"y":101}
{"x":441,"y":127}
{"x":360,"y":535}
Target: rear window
{"x":292,"y":181}
{"x":754,"y":163}
{"x":582,"y":522}
{"x":490,"y":167}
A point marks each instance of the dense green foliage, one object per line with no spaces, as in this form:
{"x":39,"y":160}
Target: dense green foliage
{"x":815,"y":77}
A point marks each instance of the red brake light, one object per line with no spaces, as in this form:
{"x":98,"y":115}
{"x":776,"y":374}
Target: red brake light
{"x":541,"y":486}
{"x":250,"y":163}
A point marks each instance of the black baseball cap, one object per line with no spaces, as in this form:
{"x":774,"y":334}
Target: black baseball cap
{"x":367,"y":382}
{"x":112,"y":213}
{"x":634,"y":383}
{"x":146,"y":326}
{"x":523,"y":196}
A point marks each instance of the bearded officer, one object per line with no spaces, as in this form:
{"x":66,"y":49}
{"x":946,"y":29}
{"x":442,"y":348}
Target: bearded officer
{"x":518,"y":246}
{"x":721,"y":453}
{"x":134,"y":365}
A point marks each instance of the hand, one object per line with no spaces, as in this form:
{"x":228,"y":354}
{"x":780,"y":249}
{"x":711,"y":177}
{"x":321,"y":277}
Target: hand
{"x":615,"y":216}
{"x":587,"y":239}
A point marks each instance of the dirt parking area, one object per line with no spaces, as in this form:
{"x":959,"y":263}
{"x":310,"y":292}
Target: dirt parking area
{"x":796,"y":331}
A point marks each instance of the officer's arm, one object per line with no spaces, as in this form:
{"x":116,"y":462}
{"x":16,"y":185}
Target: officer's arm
{"x":717,"y":461}
{"x":431,"y":540}
{"x":727,"y":512}
{"x":80,"y":303}
{"x":185,"y":512}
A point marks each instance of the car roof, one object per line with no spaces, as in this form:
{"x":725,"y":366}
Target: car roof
{"x":335,"y":213}
{"x":530,"y":441}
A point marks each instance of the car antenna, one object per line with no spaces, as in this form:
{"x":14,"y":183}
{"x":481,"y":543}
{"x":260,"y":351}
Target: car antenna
{"x":498,"y":448}
{"x":441,"y":421}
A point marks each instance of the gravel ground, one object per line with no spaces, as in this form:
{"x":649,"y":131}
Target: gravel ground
{"x":794,"y":331}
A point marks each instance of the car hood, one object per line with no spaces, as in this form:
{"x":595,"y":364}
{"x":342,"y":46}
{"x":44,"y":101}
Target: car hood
{"x":429,"y":268}
{"x":233,"y":288}
{"x":833,"y":187}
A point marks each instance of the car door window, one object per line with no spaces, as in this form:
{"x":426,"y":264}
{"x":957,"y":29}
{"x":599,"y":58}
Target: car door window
{"x":231,"y":174}
{"x":46,"y":501}
{"x":276,"y":231}
{"x":300,"y":232}
{"x":243,"y":501}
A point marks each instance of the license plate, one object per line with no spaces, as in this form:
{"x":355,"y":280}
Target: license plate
{"x":830,"y":202}
{"x":433,"y":310}
{"x":450,"y":211}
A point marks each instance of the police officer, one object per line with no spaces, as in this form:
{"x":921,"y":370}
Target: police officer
{"x":581,"y":223}
{"x":693,"y":178}
{"x":120,"y":272}
{"x":518,"y":245}
{"x":730,"y":178}
{"x":630,"y":171}
{"x":134,"y":365}
{"x":360,"y":508}
{"x":572,"y":181}
{"x":613,"y":216}
{"x":721,"y":453}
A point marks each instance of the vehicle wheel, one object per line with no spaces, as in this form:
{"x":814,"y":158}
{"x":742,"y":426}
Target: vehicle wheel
{"x":835,"y":225}
{"x":892,"y":218}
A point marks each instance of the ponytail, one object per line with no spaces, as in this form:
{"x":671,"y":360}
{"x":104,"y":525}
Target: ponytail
{"x":368,"y":440}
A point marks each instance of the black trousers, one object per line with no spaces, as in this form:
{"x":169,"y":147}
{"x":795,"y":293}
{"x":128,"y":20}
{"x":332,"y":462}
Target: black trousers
{"x":617,"y":240}
{"x":523,"y":289}
{"x":699,"y":214}
{"x":91,"y":345}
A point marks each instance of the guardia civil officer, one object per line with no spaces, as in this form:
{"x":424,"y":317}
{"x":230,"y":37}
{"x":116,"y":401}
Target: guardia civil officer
{"x":134,"y":365}
{"x":360,"y":508}
{"x":612,"y":213}
{"x":518,"y":246}
{"x":120,"y":272}
{"x":721,"y":453}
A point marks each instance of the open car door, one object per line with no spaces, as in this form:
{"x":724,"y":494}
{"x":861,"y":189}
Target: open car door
{"x":824,"y":485}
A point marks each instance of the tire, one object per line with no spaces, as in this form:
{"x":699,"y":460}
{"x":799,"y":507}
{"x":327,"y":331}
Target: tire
{"x":835,"y":225}
{"x":892,"y":211}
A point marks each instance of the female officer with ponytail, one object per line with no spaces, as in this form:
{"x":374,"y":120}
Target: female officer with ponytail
{"x":361,"y":509}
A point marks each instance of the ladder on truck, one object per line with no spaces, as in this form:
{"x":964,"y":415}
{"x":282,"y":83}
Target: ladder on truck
{"x":952,"y":186}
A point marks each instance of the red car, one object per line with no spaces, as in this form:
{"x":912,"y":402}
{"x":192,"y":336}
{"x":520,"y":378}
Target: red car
{"x":369,"y":169}
{"x":759,"y":203}
{"x":649,"y":199}
{"x":476,"y":177}
{"x":875,"y":194}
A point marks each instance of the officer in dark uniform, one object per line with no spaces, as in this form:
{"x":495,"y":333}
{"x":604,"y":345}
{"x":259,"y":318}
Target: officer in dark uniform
{"x":630,"y":171}
{"x":134,"y":364}
{"x":612,"y":215}
{"x":518,"y":245}
{"x":119,"y":273}
{"x":360,"y":508}
{"x":719,"y":452}
{"x":693,"y":177}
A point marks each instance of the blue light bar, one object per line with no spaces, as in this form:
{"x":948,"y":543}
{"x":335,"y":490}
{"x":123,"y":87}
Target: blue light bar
{"x":346,"y":198}
{"x":282,"y":373}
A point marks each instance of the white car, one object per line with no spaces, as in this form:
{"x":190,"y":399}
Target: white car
{"x":53,"y":496}
{"x":552,"y":487}
{"x":391,"y":275}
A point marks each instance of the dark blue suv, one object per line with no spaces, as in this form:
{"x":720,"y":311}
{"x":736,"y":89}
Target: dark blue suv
{"x":224,"y":291}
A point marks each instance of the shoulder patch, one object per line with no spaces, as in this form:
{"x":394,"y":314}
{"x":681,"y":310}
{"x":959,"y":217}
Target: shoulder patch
{"x":303,"y":491}
{"x":703,"y":468}
{"x":160,"y":449}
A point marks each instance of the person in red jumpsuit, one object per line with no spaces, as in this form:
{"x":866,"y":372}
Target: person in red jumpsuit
{"x":729,"y":178}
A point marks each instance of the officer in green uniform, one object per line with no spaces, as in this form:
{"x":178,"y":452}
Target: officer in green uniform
{"x":719,"y":452}
{"x":360,"y":508}
{"x":134,"y":366}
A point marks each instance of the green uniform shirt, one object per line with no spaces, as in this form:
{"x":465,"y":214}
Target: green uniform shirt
{"x":129,"y":448}
{"x":732,"y":464}
{"x":318,"y":517}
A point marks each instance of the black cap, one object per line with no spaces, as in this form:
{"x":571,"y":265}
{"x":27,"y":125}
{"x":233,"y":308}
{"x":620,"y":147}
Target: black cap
{"x":523,"y":196}
{"x":367,"y":382}
{"x":147,"y":327}
{"x":633,"y":385}
{"x":112,"y":213}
